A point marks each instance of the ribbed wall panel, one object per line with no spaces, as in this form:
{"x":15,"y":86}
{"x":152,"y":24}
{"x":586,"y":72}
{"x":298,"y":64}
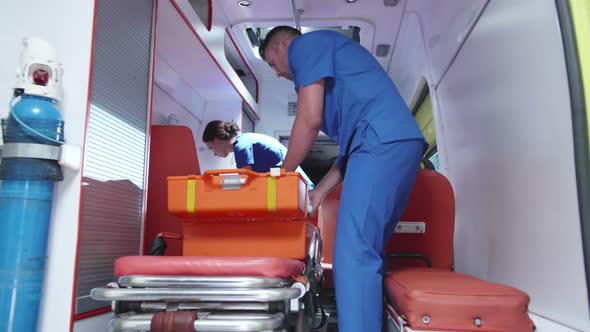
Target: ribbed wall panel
{"x":114,"y":164}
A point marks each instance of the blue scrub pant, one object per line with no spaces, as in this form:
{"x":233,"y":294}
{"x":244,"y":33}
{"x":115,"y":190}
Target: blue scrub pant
{"x":377,"y":184}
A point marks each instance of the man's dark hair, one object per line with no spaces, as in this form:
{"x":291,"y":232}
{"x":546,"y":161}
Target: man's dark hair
{"x":281,"y":29}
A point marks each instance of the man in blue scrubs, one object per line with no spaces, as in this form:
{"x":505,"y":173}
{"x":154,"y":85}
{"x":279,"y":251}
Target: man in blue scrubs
{"x":344,"y":91}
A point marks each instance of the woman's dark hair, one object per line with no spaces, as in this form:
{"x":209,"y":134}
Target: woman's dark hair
{"x":220,"y":129}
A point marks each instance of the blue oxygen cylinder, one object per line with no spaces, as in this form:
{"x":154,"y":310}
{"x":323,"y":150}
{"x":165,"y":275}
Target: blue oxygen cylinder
{"x":26,"y":193}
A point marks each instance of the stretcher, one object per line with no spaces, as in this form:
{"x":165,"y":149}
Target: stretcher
{"x":251,"y":260}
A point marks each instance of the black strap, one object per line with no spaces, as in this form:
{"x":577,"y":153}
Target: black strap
{"x":415,"y":256}
{"x":158,"y":246}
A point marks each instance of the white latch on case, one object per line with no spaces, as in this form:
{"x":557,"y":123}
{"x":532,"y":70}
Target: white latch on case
{"x":275,"y":171}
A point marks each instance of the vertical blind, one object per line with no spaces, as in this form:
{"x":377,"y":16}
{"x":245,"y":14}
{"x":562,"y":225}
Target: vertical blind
{"x":114,"y":163}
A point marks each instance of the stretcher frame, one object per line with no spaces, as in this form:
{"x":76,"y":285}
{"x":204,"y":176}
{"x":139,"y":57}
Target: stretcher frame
{"x":223,"y":303}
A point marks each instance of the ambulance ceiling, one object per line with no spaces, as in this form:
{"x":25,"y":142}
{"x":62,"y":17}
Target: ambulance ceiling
{"x":365,"y":14}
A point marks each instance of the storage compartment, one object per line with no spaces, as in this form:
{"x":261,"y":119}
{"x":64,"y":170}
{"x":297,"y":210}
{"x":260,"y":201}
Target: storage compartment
{"x":285,"y":239}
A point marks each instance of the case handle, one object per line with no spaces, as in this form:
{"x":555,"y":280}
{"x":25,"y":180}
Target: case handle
{"x":235,"y":181}
{"x":241,"y":171}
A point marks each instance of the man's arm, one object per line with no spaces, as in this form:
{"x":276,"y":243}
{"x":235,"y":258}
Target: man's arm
{"x":308,"y":120}
{"x":328,"y":182}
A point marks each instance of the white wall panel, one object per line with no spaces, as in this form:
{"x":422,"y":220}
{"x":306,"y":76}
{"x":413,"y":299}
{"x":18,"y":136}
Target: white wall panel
{"x":191,"y":87}
{"x":52,"y":22}
{"x":410,"y":70}
{"x":169,"y":80}
{"x":232,"y":86}
{"x":510,"y":156}
{"x":409,"y":64}
{"x":167,"y":111}
{"x":274,"y":97}
{"x":445,"y":25}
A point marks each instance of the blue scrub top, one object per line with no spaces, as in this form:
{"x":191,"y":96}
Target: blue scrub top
{"x":358,"y":92}
{"x":262,"y":152}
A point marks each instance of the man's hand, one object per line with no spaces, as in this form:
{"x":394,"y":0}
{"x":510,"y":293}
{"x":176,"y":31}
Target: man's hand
{"x":330,"y":180}
{"x":308,"y":120}
{"x":315,"y":199}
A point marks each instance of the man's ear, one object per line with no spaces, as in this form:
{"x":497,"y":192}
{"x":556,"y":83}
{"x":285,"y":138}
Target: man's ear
{"x":284,"y":43}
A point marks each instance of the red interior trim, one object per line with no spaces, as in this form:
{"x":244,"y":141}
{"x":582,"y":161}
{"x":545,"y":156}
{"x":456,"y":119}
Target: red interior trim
{"x":92,"y":313}
{"x":89,"y":93}
{"x":168,"y":235}
{"x":228,"y":31}
{"x":256,"y":117}
{"x":210,"y":23}
{"x":149,"y":128}
{"x":189,"y":24}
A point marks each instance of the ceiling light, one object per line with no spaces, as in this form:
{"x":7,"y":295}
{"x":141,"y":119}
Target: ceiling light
{"x":350,"y":1}
{"x":245,"y":3}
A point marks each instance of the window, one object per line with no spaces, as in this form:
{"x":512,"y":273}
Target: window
{"x":320,"y":158}
{"x":433,"y":158}
{"x":203,"y":10}
{"x":247,"y":122}
{"x":240,"y":66}
{"x":423,"y":117}
{"x":422,"y":112}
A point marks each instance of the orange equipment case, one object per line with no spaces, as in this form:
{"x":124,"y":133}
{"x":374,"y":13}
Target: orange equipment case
{"x":241,"y":213}
{"x":219,"y":194}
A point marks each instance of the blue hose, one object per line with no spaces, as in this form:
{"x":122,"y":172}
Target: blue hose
{"x":24,"y":125}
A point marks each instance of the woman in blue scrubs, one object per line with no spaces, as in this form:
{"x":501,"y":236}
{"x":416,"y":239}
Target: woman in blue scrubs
{"x":344,"y":91}
{"x":256,"y":152}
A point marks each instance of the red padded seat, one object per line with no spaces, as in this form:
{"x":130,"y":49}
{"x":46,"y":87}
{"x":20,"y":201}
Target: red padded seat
{"x":172,"y":152}
{"x":455,"y":302}
{"x":432,"y":201}
{"x":208,"y":266}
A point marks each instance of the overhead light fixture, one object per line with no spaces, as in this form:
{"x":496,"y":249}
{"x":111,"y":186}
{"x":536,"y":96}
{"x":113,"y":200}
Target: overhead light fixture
{"x":350,"y":1}
{"x":245,"y":3}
